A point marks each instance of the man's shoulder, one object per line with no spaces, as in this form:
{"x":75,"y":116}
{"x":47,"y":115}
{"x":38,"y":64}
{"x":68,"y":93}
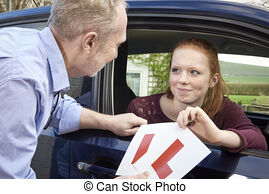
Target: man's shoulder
{"x":21,"y":42}
{"x":17,"y":36}
{"x":22,"y":55}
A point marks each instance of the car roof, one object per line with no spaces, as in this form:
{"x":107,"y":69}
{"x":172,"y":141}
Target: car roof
{"x":250,"y":21}
{"x":227,"y":9}
{"x":237,"y":11}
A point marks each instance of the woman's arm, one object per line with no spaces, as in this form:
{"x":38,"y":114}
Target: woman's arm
{"x":232,"y":118}
{"x":203,"y":127}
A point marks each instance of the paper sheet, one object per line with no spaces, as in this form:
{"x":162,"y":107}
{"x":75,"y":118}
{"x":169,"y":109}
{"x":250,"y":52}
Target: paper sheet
{"x":164,"y":149}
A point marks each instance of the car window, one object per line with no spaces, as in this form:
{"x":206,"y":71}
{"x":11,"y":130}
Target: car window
{"x":248,"y":81}
{"x":246,"y":75}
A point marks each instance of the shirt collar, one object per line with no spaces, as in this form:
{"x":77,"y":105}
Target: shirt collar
{"x":56,"y":63}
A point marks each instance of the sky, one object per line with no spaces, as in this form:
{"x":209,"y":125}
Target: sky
{"x":253,"y":2}
{"x":249,"y":60}
{"x":244,"y":1}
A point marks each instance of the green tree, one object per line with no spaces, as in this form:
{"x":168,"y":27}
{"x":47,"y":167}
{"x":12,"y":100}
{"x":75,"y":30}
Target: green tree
{"x":158,"y":64}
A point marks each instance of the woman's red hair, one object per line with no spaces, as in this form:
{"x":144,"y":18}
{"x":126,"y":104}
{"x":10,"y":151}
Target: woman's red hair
{"x":214,"y":96}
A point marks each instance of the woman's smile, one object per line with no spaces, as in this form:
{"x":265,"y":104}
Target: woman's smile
{"x":183,"y":91}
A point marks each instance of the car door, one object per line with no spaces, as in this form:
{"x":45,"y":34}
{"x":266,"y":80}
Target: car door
{"x":154,"y":28}
{"x":153,"y":31}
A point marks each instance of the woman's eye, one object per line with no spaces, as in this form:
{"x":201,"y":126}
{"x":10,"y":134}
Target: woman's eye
{"x":174,"y":70}
{"x":194,"y":72}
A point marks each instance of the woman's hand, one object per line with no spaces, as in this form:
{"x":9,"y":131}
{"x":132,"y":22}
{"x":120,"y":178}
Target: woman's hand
{"x":204,"y":128}
{"x":200,"y":124}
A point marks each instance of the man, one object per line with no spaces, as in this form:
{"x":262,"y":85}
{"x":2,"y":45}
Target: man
{"x":81,"y":37}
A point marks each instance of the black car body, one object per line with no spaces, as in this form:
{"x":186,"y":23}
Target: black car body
{"x":153,"y":27}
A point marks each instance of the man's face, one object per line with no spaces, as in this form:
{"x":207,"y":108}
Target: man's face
{"x":109,"y":50}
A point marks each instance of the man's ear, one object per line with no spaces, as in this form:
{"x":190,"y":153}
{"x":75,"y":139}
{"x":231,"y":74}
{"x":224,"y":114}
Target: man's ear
{"x":89,"y":41}
{"x":214,"y":80}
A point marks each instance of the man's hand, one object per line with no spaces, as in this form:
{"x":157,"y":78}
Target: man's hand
{"x":125,"y":124}
{"x":143,"y":175}
{"x":122,"y":124}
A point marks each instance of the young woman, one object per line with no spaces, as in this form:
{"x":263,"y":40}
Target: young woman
{"x":195,"y":99}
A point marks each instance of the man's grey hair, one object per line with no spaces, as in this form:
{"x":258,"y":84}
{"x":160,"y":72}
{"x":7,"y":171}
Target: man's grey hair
{"x":71,"y":18}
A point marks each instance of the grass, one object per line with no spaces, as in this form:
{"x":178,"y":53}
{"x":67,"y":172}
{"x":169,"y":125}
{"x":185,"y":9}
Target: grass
{"x":237,"y":69}
{"x":241,"y":73}
{"x":246,"y":79}
{"x":245,"y":74}
{"x":263,"y":100}
{"x":244,"y":99}
{"x":249,"y":99}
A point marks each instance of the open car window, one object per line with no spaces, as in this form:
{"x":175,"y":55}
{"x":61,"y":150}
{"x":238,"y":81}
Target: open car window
{"x":244,"y":67}
{"x":246,"y":76}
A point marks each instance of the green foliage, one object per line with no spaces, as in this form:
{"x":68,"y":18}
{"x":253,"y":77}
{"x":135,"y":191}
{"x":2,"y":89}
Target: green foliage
{"x":158,"y":64}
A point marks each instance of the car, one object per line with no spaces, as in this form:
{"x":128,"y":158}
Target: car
{"x":154,"y":27}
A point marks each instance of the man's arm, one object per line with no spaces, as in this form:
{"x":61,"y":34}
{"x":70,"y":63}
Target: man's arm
{"x":69,"y":116}
{"x":122,"y":124}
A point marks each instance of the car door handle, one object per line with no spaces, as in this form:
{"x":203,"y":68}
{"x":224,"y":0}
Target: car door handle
{"x":99,"y":171}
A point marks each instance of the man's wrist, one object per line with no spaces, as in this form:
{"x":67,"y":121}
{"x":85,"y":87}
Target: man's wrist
{"x":107,"y":122}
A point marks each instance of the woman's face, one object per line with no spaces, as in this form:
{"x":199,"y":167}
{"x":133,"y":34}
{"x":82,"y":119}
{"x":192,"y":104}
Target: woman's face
{"x":190,"y":76}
